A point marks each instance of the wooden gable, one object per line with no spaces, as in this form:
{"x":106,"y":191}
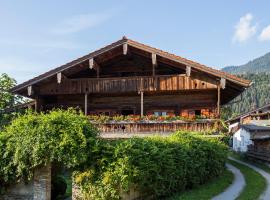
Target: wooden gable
{"x":127,"y":66}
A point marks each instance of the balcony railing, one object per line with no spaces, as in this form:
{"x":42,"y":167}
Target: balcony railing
{"x":127,"y":84}
{"x":149,"y":128}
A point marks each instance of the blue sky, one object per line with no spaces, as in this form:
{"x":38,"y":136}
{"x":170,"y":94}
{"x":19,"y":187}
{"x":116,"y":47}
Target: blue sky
{"x":40,"y":35}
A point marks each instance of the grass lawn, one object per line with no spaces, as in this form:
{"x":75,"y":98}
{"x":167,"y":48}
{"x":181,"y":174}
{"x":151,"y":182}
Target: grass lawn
{"x":208,"y":190}
{"x":255,"y":183}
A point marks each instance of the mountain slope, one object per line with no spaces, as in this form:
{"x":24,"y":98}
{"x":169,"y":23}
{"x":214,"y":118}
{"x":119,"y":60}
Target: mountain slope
{"x":258,"y":94}
{"x":258,"y":65}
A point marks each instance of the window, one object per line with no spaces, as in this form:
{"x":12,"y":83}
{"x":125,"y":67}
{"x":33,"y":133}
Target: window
{"x":160,"y":113}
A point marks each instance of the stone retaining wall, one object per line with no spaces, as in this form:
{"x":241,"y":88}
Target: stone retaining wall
{"x":37,"y":189}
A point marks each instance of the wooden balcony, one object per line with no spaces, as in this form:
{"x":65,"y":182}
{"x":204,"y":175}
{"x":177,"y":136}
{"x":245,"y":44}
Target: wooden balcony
{"x":129,"y":129}
{"x":127,"y":84}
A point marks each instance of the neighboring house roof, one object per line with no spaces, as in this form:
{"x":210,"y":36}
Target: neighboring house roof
{"x":255,"y":128}
{"x":18,"y":106}
{"x":250,"y":113}
{"x":260,"y":122}
{"x":217,"y":73}
{"x":258,"y":132}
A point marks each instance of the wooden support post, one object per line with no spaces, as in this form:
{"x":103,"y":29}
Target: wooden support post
{"x":141,"y":92}
{"x":38,"y":104}
{"x":85,"y":103}
{"x":218,"y":100}
{"x":98,"y":71}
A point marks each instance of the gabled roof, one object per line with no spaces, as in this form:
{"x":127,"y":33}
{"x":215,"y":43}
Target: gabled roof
{"x":129,"y":42}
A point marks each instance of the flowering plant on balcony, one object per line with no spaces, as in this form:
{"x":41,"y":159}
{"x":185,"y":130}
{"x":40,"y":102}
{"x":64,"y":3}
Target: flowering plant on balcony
{"x":99,"y":118}
{"x":134,"y":118}
{"x":138,"y":118}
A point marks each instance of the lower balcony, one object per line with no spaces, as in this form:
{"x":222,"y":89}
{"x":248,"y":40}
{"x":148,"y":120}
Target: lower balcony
{"x":125,"y":128}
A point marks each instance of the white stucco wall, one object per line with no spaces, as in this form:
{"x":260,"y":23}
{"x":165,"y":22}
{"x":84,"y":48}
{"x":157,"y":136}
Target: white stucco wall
{"x":241,"y":139}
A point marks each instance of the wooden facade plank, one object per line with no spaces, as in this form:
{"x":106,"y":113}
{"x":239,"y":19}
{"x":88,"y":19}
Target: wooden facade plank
{"x":125,"y":84}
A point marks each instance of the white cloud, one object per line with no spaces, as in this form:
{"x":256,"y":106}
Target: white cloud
{"x":265,"y":34}
{"x":244,"y":29}
{"x":80,"y":22}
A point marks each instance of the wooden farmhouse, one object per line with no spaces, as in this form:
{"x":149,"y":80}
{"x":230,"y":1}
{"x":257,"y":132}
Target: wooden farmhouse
{"x":261,"y":113}
{"x":130,"y":78}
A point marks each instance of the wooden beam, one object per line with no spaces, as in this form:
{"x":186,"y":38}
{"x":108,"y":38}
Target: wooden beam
{"x":125,"y":48}
{"x":38,"y":104}
{"x":94,"y":65}
{"x":59,"y":77}
{"x":29,"y":90}
{"x":91,"y":63}
{"x":188,"y":71}
{"x":154,"y":59}
{"x":218,"y":100}
{"x":141,"y":92}
{"x":85,"y":103}
{"x":154,"y":63}
{"x":223,"y":83}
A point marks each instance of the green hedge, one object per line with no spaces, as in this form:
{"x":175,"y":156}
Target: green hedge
{"x":156,"y":167}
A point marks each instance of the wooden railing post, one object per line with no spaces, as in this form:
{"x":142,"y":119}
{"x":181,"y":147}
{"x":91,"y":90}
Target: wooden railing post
{"x":218,"y":100}
{"x":85,"y":103}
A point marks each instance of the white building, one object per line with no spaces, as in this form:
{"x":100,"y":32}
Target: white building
{"x":242,"y":137}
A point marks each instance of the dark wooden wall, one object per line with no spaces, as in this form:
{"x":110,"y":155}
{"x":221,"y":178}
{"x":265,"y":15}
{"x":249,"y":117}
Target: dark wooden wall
{"x":175,"y":103}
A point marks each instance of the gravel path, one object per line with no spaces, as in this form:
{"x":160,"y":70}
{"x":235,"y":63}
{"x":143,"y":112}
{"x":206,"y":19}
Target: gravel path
{"x":233,"y":191}
{"x":266,"y":194}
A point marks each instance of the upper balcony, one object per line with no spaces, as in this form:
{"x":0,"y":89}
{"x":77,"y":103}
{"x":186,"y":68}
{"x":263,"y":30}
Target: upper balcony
{"x":127,"y":84}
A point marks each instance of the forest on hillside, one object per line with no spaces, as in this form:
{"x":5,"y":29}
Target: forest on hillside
{"x":255,"y":96}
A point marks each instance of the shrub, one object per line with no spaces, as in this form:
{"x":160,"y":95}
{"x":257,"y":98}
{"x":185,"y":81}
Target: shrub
{"x":155,"y":167}
{"x":33,"y":140}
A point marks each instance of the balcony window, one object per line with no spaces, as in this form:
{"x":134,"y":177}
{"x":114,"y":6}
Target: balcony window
{"x":160,"y":113}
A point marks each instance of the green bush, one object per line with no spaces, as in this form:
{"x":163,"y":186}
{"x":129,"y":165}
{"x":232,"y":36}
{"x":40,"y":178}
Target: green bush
{"x":156,"y":167}
{"x":33,"y":140}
